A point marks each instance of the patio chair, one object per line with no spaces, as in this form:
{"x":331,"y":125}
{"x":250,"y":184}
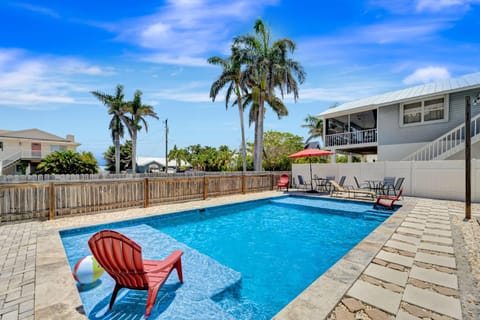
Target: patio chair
{"x":283,"y":181}
{"x":302,"y":184}
{"x":387,"y":184}
{"x":122,"y":259}
{"x":338,"y":189}
{"x":387,"y":201}
{"x":363,"y":185}
{"x":396,"y":188}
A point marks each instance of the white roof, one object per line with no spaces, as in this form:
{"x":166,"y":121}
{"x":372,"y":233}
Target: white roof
{"x":469,"y":81}
{"x":143,"y":161}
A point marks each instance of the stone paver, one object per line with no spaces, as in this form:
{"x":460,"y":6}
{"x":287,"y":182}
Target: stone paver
{"x":443,"y":261}
{"x":434,"y":276}
{"x":376,"y":296}
{"x":434,"y":247}
{"x":395,"y":258}
{"x":418,"y":226}
{"x":437,"y":239}
{"x":401,"y":246}
{"x":402,"y":315}
{"x":410,"y":231}
{"x":409,"y":239}
{"x":433,"y":301}
{"x":387,"y":274}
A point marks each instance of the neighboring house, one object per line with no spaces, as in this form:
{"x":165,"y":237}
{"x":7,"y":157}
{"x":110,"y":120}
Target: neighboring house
{"x":21,"y":151}
{"x":425,"y":122}
{"x":151,"y":164}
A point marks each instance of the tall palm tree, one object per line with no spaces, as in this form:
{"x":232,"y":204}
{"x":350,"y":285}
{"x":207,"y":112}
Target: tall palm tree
{"x":315,"y":127}
{"x":231,"y":76}
{"x":116,"y":108}
{"x":268,"y":67}
{"x":138,"y":112}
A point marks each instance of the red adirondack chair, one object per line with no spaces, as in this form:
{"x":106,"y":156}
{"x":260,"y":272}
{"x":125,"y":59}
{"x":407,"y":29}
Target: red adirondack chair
{"x":283,"y":181}
{"x":122,"y":259}
{"x":387,"y":201}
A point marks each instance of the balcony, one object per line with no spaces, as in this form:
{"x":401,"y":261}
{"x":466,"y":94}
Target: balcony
{"x":360,"y":138}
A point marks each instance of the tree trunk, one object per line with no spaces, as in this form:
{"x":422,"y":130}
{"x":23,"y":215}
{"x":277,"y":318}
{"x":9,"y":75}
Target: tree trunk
{"x":242,"y":126}
{"x":117,"y":153}
{"x":258,"y":157}
{"x":134,"y":151}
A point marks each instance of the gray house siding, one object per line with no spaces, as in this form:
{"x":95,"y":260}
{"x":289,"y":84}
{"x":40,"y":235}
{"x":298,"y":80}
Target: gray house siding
{"x":390,"y":132}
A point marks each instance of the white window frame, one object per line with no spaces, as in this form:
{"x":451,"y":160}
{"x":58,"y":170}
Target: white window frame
{"x":422,"y":116}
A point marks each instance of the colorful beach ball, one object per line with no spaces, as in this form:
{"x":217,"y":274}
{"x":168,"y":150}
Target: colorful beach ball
{"x":87,"y":270}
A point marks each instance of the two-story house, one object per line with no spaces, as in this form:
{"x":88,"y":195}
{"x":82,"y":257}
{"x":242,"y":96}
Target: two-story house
{"x":425,"y":122}
{"x":22,"y":150}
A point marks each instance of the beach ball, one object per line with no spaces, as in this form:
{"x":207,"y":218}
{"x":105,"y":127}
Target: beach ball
{"x":87,"y":270}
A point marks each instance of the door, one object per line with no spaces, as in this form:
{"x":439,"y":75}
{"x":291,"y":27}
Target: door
{"x":36,"y":150}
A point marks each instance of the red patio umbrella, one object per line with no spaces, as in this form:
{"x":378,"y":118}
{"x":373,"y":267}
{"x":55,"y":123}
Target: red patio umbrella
{"x":309,"y":153}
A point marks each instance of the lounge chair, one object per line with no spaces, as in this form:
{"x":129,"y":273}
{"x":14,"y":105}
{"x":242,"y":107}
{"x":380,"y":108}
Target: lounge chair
{"x":283,"y":181}
{"x":122,"y":259}
{"x":387,"y":201}
{"x":338,"y":189}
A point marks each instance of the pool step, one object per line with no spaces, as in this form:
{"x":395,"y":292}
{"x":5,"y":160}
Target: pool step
{"x":379,"y":215}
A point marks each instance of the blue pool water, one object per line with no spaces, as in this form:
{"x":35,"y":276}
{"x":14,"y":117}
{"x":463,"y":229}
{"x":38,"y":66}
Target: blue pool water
{"x":260,"y":255}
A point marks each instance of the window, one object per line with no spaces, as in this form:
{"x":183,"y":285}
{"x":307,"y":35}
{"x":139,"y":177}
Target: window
{"x":425,"y":111}
{"x":1,"y":145}
{"x":54,"y":148}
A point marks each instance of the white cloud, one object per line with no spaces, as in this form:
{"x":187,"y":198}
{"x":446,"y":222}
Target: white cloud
{"x":190,"y":92}
{"x":42,"y":82}
{"x":428,"y":74}
{"x":439,"y":5}
{"x":37,"y":9}
{"x":183,"y":32}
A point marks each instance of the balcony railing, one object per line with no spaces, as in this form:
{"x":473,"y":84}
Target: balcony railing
{"x":349,"y":138}
{"x":30,"y":155}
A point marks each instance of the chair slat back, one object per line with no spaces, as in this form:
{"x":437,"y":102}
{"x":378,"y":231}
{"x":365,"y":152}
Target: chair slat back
{"x":342,"y":180}
{"x":120,"y":257}
{"x":356,"y":182}
{"x":300,"y":180}
{"x":388,"y":181}
{"x":399,"y":183}
{"x":284,"y":178}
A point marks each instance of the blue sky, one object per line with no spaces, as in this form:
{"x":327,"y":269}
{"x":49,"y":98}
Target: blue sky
{"x":53,"y":53}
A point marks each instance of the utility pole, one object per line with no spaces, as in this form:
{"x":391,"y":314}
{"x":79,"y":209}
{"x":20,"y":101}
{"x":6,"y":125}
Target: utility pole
{"x":166,"y":145}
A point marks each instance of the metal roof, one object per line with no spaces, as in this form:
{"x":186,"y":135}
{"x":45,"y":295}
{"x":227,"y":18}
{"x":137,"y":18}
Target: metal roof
{"x":469,"y":81}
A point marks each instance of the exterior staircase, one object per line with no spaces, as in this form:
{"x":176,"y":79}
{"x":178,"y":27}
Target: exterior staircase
{"x":447,"y":144}
{"x":9,"y":162}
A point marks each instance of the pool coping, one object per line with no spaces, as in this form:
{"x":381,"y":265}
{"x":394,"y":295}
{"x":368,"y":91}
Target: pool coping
{"x":56,"y":295}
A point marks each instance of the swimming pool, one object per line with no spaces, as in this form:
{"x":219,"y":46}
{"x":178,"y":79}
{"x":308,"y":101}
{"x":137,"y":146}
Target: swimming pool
{"x":267,"y":252}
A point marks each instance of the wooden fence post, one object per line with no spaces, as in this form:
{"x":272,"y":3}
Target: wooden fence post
{"x":146,"y":193}
{"x":271,"y":181}
{"x":51,"y":213}
{"x":205,"y":187}
{"x":244,"y":184}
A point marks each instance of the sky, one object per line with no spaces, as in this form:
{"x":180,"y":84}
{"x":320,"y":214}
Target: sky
{"x":54,"y":53}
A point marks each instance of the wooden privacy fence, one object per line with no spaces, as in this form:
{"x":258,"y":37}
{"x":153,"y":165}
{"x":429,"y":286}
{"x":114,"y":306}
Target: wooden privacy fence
{"x":48,"y":200}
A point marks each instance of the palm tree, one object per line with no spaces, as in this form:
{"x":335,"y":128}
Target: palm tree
{"x":138,"y":112}
{"x":231,"y":76}
{"x":315,"y":127}
{"x":116,"y":108}
{"x":268,"y":67}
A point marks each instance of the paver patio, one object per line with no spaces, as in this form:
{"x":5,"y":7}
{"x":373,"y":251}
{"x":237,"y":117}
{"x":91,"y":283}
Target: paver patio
{"x":415,"y":265}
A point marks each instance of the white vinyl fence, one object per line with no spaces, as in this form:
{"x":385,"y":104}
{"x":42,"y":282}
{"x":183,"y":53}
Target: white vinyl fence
{"x":443,"y":179}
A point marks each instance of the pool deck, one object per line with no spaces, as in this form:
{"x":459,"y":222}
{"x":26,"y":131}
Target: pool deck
{"x":422,"y":262}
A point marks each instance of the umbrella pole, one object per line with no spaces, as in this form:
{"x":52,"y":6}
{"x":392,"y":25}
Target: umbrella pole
{"x":311,"y":176}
